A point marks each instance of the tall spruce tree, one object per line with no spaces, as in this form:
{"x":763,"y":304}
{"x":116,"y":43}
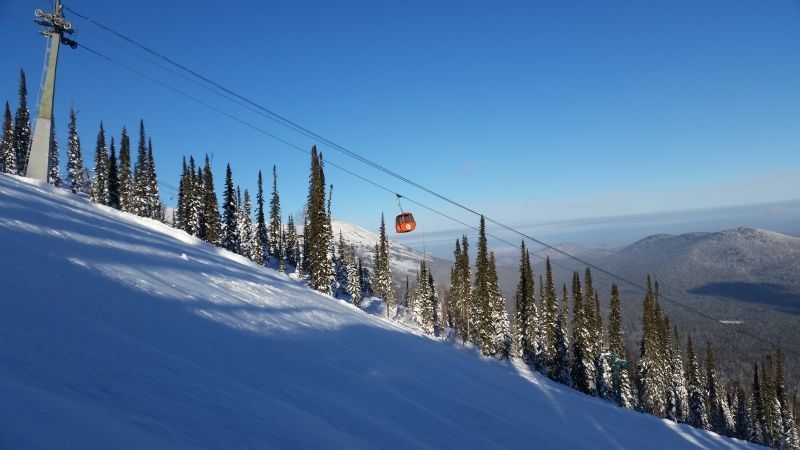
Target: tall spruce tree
{"x":22,"y":126}
{"x":482,"y":296}
{"x":716,"y":404}
{"x":261,"y":225}
{"x":559,"y":369}
{"x":53,"y":170}
{"x":525,"y":308}
{"x":501,"y":331}
{"x":275,"y":227}
{"x":250,"y":246}
{"x":744,"y":421}
{"x":580,"y":370}
{"x":679,"y":379}
{"x":8,"y":153}
{"x":789,"y":438}
{"x":113,"y":178}
{"x":76,"y":177}
{"x":353,"y":275}
{"x":153,"y":198}
{"x":231,"y":239}
{"x":315,"y":233}
{"x":548,"y":322}
{"x":125,"y":174}
{"x":207,"y":206}
{"x":140,"y":200}
{"x":696,"y":416}
{"x":620,"y":382}
{"x":99,"y":189}
{"x":292,"y":243}
{"x":422,"y":309}
{"x":383,"y":277}
{"x":757,"y":409}
{"x":649,"y":370}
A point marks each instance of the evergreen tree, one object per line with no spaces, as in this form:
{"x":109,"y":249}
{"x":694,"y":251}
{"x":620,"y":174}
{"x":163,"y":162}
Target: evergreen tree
{"x":716,"y":402}
{"x":422,"y":309}
{"x":651,"y":378}
{"x":206,"y":205}
{"x":275,"y":217}
{"x":153,"y":197}
{"x":436,"y":305}
{"x":696,"y":416}
{"x":559,"y":369}
{"x":8,"y":153}
{"x":789,"y":438}
{"x":549,"y":317}
{"x":461,"y":290}
{"x":501,"y":332}
{"x":316,"y":233}
{"x":53,"y":170}
{"x":99,"y":188}
{"x":383,"y":276}
{"x":231,"y":239}
{"x":292,"y":245}
{"x":744,"y":422}
{"x":22,"y":127}
{"x":113,"y":178}
{"x":353,"y":275}
{"x":679,"y":380}
{"x":75,"y":174}
{"x":250,"y":246}
{"x":141,"y":180}
{"x":125,"y":175}
{"x":620,"y":382}
{"x":261,"y":226}
{"x":757,"y":410}
{"x":580,"y":370}
{"x":525,"y":308}
{"x":181,"y":208}
{"x":772,"y":408}
{"x":482,"y":296}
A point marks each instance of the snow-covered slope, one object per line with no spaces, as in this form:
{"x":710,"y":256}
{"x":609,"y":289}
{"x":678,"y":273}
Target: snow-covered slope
{"x":119,"y":332}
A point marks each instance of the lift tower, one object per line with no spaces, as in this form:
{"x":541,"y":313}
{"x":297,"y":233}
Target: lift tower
{"x":55,"y":29}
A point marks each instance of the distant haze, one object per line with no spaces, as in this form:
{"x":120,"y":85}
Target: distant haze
{"x":591,"y":235}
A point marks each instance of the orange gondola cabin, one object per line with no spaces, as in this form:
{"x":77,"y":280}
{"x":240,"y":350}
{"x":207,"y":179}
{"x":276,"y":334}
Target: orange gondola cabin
{"x":404,"y":223}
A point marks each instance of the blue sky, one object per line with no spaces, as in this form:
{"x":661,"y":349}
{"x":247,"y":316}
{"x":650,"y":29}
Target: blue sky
{"x":531,"y":112}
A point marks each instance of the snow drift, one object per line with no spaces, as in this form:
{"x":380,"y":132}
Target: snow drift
{"x":120,"y":332}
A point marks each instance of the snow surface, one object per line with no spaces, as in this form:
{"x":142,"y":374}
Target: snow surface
{"x":120,"y":332}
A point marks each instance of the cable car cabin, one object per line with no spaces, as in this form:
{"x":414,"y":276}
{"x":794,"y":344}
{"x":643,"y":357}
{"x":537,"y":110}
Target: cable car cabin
{"x":404,"y":223}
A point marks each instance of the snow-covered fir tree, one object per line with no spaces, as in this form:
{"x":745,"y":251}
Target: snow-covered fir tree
{"x":679,"y":379}
{"x":461,"y":289}
{"x":154,"y":206}
{"x":261,"y":225}
{"x":789,"y":438}
{"x":231,"y":239}
{"x":421,"y":307}
{"x":620,"y":382}
{"x":140,"y":201}
{"x":716,"y":403}
{"x":743,"y":419}
{"x":382,"y":280}
{"x":205,"y":205}
{"x":340,"y":269}
{"x":22,"y":126}
{"x":696,"y":416}
{"x":353,"y":281}
{"x":482,"y":297}
{"x":250,"y":246}
{"x":275,"y":228}
{"x":582,"y":365}
{"x":649,"y":369}
{"x":8,"y":154}
{"x":526,"y":318}
{"x":125,"y":174}
{"x":500,"y":329}
{"x":53,"y":169}
{"x":316,"y":232}
{"x":559,"y":363}
{"x":76,"y":177}
{"x":99,"y":187}
{"x":548,"y":319}
{"x":292,"y":244}
{"x":113,"y":178}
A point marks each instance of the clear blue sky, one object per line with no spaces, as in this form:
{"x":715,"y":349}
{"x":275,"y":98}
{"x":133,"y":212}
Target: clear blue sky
{"x":527,"y":111}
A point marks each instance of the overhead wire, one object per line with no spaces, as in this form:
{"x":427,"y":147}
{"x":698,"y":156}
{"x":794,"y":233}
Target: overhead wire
{"x":255,"y":107}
